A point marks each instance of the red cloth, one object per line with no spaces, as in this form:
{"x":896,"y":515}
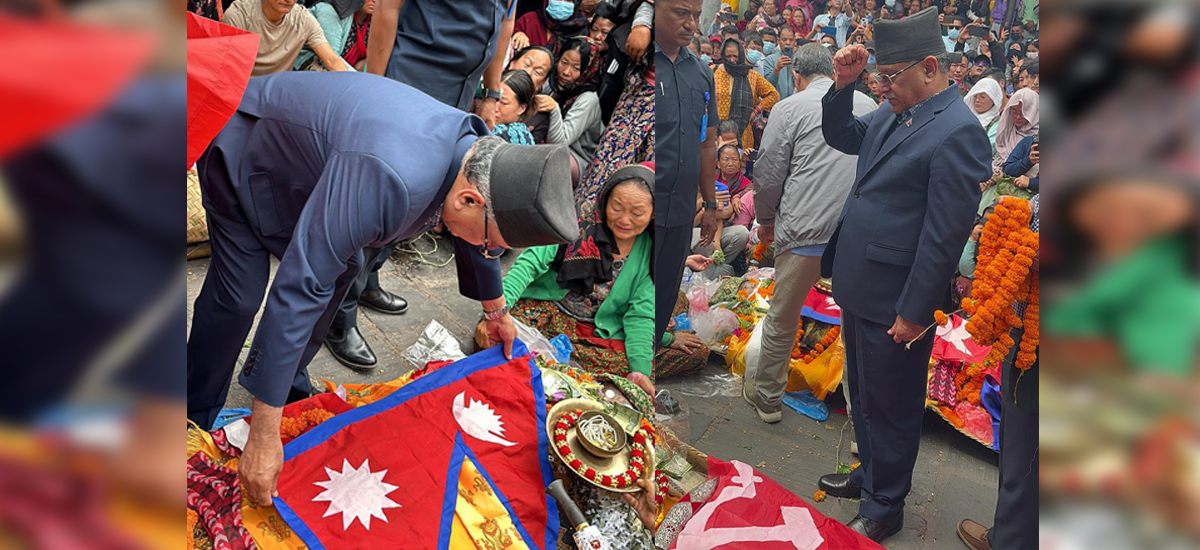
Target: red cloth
{"x":748,"y":511}
{"x":58,"y":73}
{"x":953,"y":343}
{"x":385,"y":475}
{"x":532,"y":26}
{"x":220,"y":59}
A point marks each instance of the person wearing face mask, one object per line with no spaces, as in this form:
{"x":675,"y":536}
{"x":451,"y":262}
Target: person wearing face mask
{"x":954,"y":27}
{"x":550,"y":26}
{"x":754,"y":50}
{"x":742,"y":93}
{"x":922,"y":155}
{"x":770,"y":39}
{"x":778,"y":66}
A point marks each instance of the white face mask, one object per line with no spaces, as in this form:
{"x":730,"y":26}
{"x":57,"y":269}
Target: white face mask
{"x":1032,"y":55}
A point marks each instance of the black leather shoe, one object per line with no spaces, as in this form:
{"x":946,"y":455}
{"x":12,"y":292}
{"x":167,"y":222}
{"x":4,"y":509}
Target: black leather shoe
{"x":350,"y":348}
{"x":383,"y":302}
{"x":839,"y":485}
{"x":876,"y":530}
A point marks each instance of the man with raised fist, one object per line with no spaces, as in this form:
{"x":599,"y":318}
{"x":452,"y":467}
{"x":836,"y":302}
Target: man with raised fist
{"x":921,"y":156}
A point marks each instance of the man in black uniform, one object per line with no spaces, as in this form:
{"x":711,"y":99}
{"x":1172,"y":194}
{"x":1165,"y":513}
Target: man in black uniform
{"x":685,"y":128}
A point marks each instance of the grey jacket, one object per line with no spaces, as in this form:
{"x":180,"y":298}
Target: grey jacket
{"x":580,"y":130}
{"x":800,"y":182}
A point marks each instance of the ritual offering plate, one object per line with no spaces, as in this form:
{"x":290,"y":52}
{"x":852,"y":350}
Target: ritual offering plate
{"x":600,"y":434}
{"x":612,"y":464}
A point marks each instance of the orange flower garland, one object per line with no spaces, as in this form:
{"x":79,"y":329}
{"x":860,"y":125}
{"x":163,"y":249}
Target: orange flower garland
{"x":819,"y":496}
{"x":940,"y":318}
{"x":826,"y":341}
{"x":1007,"y":248}
{"x":291,"y":428}
{"x":759,"y":251}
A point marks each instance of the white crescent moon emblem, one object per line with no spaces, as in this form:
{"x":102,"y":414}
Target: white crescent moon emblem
{"x":478,"y":420}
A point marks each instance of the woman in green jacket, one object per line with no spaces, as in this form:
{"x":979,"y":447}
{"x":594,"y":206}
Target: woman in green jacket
{"x":597,"y":290}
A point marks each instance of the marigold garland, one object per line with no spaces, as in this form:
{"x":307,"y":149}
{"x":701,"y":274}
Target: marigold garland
{"x":291,"y":428}
{"x":1003,"y":276}
{"x":825,"y":343}
{"x":940,"y":318}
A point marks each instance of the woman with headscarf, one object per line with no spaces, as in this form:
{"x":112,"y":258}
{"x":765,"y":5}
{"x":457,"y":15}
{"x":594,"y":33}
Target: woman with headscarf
{"x":556,"y":22}
{"x":597,"y":290}
{"x":346,"y":24}
{"x":802,"y":13}
{"x":1019,"y":118}
{"x":573,"y":105}
{"x":742,"y":93}
{"x":985,"y":99}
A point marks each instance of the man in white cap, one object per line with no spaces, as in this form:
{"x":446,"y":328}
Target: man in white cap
{"x":921,"y":156}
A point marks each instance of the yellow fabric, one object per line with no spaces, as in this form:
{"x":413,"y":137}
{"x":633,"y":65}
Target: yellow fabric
{"x":192,"y":518}
{"x":358,"y":395}
{"x":765,"y":98}
{"x":480,"y":520}
{"x":822,"y":375}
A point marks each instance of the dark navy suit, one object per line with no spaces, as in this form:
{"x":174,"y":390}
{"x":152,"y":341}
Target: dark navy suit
{"x":893,"y":253}
{"x":312,"y":168}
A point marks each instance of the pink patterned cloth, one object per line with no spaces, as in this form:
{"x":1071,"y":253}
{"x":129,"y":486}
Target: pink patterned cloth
{"x":941,"y":384}
{"x":214,"y":492}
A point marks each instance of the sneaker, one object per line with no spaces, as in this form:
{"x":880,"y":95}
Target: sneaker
{"x":766,"y":412}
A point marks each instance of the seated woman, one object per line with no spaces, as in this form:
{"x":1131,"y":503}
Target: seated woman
{"x":596,"y":290}
{"x":516,"y":95}
{"x":345,"y":25}
{"x":536,"y":61}
{"x":574,"y":107}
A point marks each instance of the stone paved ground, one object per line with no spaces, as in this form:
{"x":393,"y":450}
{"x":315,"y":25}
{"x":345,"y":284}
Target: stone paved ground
{"x":955,"y":477}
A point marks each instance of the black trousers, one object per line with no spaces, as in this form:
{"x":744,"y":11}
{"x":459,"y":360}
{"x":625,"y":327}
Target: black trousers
{"x":367,"y":280}
{"x":671,"y":248}
{"x":232,"y":294}
{"x":1016,"y":522}
{"x":887,"y":402}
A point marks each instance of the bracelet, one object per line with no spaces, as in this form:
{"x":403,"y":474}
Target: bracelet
{"x":495,"y":314}
{"x":670,"y":338}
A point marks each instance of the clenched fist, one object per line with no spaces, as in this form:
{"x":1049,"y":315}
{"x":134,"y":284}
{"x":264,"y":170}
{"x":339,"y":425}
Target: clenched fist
{"x":849,"y":63}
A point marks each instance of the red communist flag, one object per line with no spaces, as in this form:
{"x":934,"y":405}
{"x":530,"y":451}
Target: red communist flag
{"x":953,"y":343}
{"x":219,"y":59}
{"x":386,"y":475}
{"x":742,"y":509}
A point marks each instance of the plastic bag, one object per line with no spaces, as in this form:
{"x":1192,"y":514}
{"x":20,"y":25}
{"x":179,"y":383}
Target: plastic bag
{"x":562,"y":348}
{"x":753,"y":348}
{"x":534,"y":340}
{"x":725,"y":384}
{"x":697,"y":299}
{"x":806,"y":404}
{"x":435,"y":344}
{"x":714,"y":325}
{"x":682,"y":322}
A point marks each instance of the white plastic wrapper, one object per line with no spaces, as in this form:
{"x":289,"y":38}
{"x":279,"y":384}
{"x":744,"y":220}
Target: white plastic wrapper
{"x":435,"y":344}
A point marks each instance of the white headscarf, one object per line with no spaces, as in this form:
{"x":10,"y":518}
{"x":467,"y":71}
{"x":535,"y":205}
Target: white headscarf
{"x":1008,"y":134}
{"x":991,"y":88}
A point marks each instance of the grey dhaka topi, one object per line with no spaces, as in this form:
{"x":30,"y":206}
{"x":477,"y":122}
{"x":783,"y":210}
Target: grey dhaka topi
{"x":910,"y":39}
{"x":532,"y":195}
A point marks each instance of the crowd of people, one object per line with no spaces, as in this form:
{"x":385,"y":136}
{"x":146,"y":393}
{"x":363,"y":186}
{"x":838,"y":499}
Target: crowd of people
{"x":881,"y":130}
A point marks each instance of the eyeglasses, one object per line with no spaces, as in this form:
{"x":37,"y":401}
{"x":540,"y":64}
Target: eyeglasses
{"x":485,"y":250}
{"x":887,"y":79}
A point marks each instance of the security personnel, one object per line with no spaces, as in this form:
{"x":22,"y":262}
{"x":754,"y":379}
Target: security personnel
{"x":312,"y":169}
{"x":685,"y":128}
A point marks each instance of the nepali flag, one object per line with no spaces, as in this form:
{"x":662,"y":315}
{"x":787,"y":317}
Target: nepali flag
{"x":820,"y":306}
{"x":953,"y":343}
{"x":387,"y":475}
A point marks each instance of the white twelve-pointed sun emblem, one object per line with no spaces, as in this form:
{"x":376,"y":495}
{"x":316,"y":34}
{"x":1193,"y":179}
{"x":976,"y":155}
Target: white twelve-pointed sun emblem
{"x":832,"y":304}
{"x":356,"y":493}
{"x":956,"y":335}
{"x":478,"y":420}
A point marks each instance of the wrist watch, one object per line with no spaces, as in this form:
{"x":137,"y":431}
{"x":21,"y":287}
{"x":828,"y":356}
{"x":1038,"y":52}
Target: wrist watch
{"x":709,"y":205}
{"x":491,"y":94}
{"x":495,"y":314}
